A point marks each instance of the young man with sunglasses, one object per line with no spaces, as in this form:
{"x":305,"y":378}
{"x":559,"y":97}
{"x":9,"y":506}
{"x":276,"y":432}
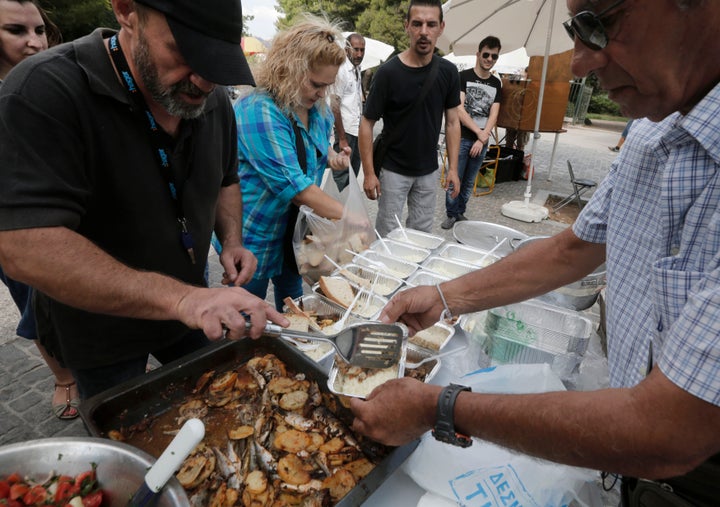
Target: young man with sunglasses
{"x":480,"y":94}
{"x":655,"y":221}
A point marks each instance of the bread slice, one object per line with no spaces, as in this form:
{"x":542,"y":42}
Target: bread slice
{"x":432,"y":338}
{"x":298,"y":322}
{"x":294,"y":308}
{"x":338,"y":290}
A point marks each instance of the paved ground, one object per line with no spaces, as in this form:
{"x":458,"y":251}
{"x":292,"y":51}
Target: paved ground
{"x":26,"y":383}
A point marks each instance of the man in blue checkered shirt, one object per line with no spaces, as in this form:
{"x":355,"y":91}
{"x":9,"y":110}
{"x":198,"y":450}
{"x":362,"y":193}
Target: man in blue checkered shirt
{"x":655,"y":221}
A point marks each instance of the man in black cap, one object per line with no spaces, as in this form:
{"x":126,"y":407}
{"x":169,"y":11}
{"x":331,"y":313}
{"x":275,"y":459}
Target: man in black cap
{"x":119,"y":160}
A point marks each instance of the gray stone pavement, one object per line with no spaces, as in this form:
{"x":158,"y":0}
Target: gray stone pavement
{"x":26,"y":384}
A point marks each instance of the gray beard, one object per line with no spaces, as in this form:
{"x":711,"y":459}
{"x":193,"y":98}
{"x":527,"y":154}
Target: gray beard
{"x":166,"y":96}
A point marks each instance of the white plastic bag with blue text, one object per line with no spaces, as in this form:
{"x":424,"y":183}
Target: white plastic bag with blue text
{"x":487,"y":475}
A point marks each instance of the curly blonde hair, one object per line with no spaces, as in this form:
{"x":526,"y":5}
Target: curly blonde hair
{"x":309,"y":44}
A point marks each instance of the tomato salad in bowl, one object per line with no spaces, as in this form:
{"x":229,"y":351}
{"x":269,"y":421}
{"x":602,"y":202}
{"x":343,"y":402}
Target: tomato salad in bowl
{"x":81,"y":490}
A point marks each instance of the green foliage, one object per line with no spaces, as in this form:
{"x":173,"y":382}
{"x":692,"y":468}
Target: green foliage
{"x":384,"y":21}
{"x":601,"y":104}
{"x":246,"y":21}
{"x":378,"y":19}
{"x":344,"y":13}
{"x":76,"y":18}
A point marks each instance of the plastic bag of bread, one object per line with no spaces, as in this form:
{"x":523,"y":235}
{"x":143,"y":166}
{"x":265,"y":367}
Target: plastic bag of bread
{"x":316,"y":237}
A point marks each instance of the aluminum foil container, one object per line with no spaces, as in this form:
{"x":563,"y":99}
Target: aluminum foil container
{"x":433,"y":338}
{"x":533,"y":332}
{"x":315,"y":304}
{"x":467,"y":254}
{"x":426,"y":371}
{"x":386,"y":264}
{"x":424,"y":277}
{"x":404,"y":251}
{"x":337,"y":384}
{"x":417,"y":238}
{"x":368,"y":306}
{"x":447,"y":267}
{"x":380,"y":283}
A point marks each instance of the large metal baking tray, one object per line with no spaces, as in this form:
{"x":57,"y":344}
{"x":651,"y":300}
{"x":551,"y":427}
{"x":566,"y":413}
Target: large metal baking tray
{"x":157,"y":391}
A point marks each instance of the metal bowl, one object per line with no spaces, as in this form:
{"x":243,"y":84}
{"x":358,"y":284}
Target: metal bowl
{"x":579,"y":295}
{"x":486,"y":236}
{"x":121,"y":468}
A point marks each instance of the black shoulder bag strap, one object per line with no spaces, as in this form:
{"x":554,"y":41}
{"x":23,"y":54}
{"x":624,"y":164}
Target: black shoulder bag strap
{"x":389,"y":138}
{"x":288,"y":252}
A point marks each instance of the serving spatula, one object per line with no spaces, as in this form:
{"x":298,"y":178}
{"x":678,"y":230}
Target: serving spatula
{"x":364,"y":344}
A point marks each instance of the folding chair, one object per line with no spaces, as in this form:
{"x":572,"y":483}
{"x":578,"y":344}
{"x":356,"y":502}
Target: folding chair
{"x":580,"y":186}
{"x":485,"y":178}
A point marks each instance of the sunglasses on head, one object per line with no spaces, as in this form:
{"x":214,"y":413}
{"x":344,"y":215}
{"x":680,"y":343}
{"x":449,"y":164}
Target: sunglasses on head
{"x":587,"y":26}
{"x":494,"y":56}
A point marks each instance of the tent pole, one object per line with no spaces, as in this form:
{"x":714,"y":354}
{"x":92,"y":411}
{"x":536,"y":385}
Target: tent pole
{"x":527,"y":211}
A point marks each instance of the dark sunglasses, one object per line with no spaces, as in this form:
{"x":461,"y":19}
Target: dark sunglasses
{"x":587,"y":26}
{"x":494,"y":56}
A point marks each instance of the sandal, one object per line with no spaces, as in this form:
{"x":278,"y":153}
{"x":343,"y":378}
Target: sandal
{"x":69,"y":409}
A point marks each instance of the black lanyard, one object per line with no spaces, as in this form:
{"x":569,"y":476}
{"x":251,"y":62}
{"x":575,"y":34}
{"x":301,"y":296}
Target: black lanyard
{"x":158,"y":139}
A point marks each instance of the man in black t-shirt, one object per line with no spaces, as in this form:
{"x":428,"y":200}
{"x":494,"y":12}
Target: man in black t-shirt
{"x":480,"y":94}
{"x":410,"y":167}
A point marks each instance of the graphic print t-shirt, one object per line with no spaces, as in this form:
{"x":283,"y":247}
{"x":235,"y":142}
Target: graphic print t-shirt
{"x":480,"y":95}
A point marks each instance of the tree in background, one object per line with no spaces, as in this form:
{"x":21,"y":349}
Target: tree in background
{"x":76,"y":18}
{"x":378,"y":19}
{"x":383,"y":20}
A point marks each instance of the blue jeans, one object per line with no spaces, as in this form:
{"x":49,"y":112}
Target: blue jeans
{"x":342,"y":178}
{"x":91,"y":381}
{"x":287,"y":283}
{"x":22,"y":295}
{"x":468,"y":168}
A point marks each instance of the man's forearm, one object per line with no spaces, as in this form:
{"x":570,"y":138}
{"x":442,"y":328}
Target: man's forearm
{"x":74,"y":271}
{"x":522,"y":274}
{"x":228,"y":215}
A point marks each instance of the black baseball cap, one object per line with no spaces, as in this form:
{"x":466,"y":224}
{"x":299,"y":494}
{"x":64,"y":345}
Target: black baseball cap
{"x":208,"y":34}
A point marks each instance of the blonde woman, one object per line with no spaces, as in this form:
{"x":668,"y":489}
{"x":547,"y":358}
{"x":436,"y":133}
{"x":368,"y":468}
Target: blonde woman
{"x":286,"y":115}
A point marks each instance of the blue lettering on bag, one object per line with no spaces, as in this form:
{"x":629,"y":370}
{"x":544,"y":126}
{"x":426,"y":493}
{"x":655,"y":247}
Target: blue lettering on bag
{"x":491,"y":487}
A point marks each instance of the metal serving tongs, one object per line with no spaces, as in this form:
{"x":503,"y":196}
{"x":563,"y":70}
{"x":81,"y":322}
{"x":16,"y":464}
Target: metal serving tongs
{"x":365,"y":344}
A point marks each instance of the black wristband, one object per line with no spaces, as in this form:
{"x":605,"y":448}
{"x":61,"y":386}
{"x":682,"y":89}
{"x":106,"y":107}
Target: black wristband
{"x":444,"y":430}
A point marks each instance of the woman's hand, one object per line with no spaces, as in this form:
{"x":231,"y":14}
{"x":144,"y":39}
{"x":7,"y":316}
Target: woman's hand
{"x":339,"y":161}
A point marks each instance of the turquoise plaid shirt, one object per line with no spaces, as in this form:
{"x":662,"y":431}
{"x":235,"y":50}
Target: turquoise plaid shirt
{"x":658,"y":211}
{"x":270,"y":175}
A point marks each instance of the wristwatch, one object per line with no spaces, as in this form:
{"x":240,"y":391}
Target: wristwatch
{"x":444,"y":429}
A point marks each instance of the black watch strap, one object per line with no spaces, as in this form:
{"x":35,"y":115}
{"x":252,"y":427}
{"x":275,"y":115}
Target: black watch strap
{"x":444,"y":430}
